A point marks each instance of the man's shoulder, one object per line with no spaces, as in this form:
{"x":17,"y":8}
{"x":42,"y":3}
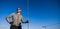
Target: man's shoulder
{"x":13,"y":13}
{"x":21,"y":15}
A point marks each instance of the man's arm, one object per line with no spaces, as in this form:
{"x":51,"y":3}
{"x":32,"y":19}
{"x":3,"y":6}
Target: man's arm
{"x":25,"y":21}
{"x":8,"y":19}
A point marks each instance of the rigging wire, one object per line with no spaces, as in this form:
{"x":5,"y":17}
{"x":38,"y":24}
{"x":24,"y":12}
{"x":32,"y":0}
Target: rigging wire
{"x":28,"y":13}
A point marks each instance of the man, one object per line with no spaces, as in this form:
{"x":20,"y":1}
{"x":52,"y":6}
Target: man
{"x":16,"y":20}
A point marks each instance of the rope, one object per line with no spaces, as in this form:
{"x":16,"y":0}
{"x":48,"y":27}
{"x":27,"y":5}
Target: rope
{"x":28,"y":13}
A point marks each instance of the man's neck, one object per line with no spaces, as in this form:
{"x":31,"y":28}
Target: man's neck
{"x":18,"y":14}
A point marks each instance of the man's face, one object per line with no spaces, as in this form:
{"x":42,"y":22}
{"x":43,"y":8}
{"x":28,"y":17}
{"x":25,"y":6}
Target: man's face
{"x":18,"y":10}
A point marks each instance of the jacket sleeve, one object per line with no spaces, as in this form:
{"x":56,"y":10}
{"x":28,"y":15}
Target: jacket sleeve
{"x":10,"y":15}
{"x":24,"y":21}
{"x":9,"y":18}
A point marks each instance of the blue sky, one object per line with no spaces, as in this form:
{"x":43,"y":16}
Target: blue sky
{"x":41,"y":13}
{"x":44,"y":12}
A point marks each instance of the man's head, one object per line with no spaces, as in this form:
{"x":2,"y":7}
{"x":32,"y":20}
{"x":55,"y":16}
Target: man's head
{"x":18,"y":10}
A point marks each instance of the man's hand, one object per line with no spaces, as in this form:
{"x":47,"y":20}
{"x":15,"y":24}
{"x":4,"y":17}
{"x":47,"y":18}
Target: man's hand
{"x":27,"y":21}
{"x":11,"y":23}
